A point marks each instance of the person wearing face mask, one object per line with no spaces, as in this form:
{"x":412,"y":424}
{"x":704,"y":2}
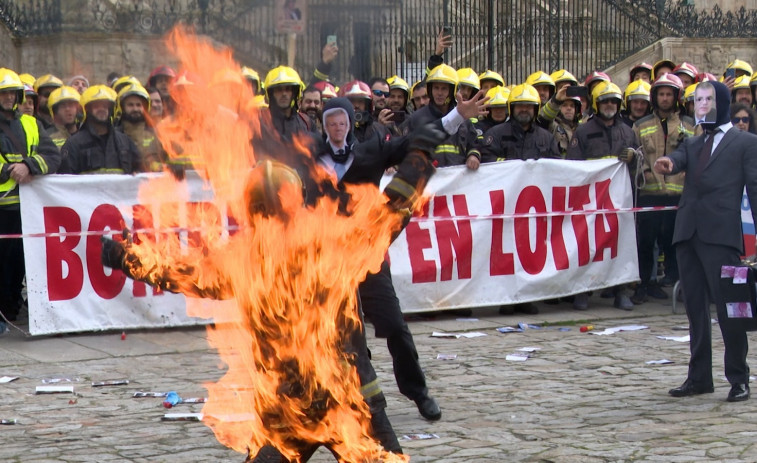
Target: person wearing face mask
{"x":719,"y":164}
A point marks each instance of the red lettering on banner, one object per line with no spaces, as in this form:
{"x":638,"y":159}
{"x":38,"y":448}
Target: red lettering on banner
{"x":60,"y":251}
{"x":532,"y":261}
{"x":556,"y":238}
{"x":419,"y":239}
{"x":578,"y":197}
{"x":500,"y":262}
{"x":605,"y":238}
{"x":106,"y":286}
{"x":454,"y":238}
{"x":142,"y":219}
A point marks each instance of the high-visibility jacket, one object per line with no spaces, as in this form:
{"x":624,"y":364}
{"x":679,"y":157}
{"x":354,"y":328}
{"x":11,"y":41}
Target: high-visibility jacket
{"x":37,"y":152}
{"x":654,"y":143}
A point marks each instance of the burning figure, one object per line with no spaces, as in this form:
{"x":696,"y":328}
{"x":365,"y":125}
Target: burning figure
{"x":298,"y":371}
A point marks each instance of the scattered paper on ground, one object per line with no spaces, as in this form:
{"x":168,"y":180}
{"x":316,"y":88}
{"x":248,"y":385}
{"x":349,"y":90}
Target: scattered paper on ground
{"x":616,"y":329}
{"x":517,"y":357}
{"x":676,"y":338}
{"x":182,"y":417}
{"x":420,"y":436}
{"x":53,"y":389}
{"x":8,"y":379}
{"x":659,"y":362}
{"x":467,"y":319}
{"x":529,"y":349}
{"x":473,"y":334}
{"x":446,"y":356}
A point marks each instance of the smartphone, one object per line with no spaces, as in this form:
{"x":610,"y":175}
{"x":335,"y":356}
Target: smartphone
{"x":577,"y":90}
{"x":331,"y":39}
{"x":730,"y":73}
{"x":398,"y":117}
{"x":446,"y":31}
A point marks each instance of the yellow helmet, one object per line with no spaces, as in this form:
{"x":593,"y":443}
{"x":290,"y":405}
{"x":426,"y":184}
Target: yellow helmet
{"x":9,"y":80}
{"x":467,"y":76}
{"x":753,"y":80}
{"x":741,"y":82}
{"x":264,"y":185}
{"x":97,"y":93}
{"x":27,"y":79}
{"x":282,"y":76}
{"x":123,"y":81}
{"x":498,"y":96}
{"x":48,"y":80}
{"x":396,"y":82}
{"x":443,"y":74}
{"x":258,"y":101}
{"x":491,"y":75}
{"x":688,"y":94}
{"x":252,"y":76}
{"x":637,"y":90}
{"x":605,"y":91}
{"x":656,"y":68}
{"x":134,"y":89}
{"x":61,"y":94}
{"x":562,"y":75}
{"x":740,"y":65}
{"x":540,"y":78}
{"x":523,"y":94}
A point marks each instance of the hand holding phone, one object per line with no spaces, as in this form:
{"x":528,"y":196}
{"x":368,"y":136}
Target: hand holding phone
{"x":331,"y":40}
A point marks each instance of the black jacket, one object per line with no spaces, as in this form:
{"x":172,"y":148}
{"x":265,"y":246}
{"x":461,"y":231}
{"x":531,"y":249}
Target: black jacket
{"x":88,"y":153}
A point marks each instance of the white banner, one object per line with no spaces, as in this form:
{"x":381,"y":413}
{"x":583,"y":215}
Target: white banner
{"x":474,"y":247}
{"x":468,"y":250}
{"x":67,"y":286}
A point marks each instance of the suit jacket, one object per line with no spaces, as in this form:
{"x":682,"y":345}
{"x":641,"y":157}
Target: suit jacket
{"x":711,"y":206}
{"x":372,"y":158}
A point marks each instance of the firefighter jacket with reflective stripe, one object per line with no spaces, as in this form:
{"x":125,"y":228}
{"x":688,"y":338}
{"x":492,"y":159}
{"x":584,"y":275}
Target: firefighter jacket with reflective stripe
{"x":59,"y":135}
{"x":655,"y":143}
{"x":454,"y":150}
{"x":37,"y":151}
{"x":86,"y":152}
{"x":595,"y":140}
{"x":153,"y":155}
{"x":563,"y":129}
{"x":509,"y":141}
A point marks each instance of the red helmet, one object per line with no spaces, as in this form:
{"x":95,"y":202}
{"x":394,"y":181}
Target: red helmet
{"x":666,"y":80}
{"x":596,"y":76}
{"x":162,"y":70}
{"x":639,"y":67}
{"x":355,"y":89}
{"x":686,"y":68}
{"x":704,"y":77}
{"x":327,"y":89}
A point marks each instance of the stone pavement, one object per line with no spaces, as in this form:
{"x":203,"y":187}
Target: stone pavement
{"x":580,"y":398}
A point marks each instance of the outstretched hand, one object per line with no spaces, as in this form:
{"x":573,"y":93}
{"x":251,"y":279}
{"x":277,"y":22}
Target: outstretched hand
{"x":663,"y":165}
{"x":477,"y":106}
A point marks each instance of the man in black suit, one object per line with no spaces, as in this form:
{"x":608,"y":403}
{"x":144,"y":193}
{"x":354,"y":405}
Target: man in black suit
{"x":365,"y":162}
{"x":707,"y":235}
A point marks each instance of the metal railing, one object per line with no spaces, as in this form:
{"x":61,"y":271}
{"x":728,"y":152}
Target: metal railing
{"x":514,"y":37}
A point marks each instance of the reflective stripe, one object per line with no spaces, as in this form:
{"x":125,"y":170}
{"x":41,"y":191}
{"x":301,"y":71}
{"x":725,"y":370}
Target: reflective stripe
{"x":31,"y":133}
{"x":402,"y":187}
{"x":648,"y":131}
{"x":371,"y":389}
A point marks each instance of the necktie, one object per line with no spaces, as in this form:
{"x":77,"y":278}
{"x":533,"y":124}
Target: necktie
{"x":339,"y":167}
{"x":704,"y":155}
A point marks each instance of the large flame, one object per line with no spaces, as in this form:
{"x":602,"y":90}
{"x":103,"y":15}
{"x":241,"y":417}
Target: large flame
{"x":293,"y":280}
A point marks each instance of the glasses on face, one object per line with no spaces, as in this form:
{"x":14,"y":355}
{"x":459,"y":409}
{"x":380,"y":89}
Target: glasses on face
{"x":380,"y":93}
{"x":743,"y":120}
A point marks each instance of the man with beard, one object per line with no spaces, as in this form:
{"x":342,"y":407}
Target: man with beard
{"x":658,"y":134}
{"x":133,"y":103}
{"x":64,"y":106}
{"x":604,"y":136}
{"x":518,"y":138}
{"x":311,"y":105}
{"x":638,"y":102}
{"x":27,"y":152}
{"x":98,"y":148}
{"x":419,"y":95}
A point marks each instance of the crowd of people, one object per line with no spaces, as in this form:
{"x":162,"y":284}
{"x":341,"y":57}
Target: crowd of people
{"x":361,"y":130}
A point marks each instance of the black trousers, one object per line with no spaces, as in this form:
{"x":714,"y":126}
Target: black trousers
{"x":382,"y":308}
{"x":656,"y":227}
{"x":700,"y":276}
{"x":11,"y":264}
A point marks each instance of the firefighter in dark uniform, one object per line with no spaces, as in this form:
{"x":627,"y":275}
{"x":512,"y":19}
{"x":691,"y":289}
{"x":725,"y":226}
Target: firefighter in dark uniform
{"x":98,"y":148}
{"x":283,"y":86}
{"x":25,"y":153}
{"x":603,"y":136}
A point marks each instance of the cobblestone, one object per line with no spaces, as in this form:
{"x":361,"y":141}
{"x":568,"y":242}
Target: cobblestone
{"x":580,"y":398}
